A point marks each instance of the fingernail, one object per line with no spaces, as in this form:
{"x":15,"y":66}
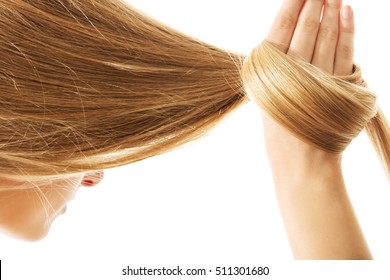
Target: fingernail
{"x":346,"y":12}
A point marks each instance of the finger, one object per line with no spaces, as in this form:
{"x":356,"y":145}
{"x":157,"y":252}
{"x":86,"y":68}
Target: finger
{"x":345,"y":47}
{"x":305,"y":35}
{"x":283,"y":27}
{"x":328,"y":34}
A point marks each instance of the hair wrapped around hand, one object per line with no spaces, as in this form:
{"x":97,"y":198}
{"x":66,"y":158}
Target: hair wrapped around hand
{"x":321,"y":109}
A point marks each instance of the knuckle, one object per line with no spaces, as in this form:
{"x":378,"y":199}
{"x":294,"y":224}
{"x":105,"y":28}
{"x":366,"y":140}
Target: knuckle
{"x":346,"y":51}
{"x":310,"y":25}
{"x":328,"y":33}
{"x":348,"y":29}
{"x":335,"y":4}
{"x":285,"y":22}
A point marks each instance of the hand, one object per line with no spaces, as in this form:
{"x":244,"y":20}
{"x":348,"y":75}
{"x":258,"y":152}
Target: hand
{"x":328,"y":44}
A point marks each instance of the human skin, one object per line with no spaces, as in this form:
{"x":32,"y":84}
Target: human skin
{"x":312,"y":197}
{"x":27,"y":211}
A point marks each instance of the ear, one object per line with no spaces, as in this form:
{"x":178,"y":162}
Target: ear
{"x":91,"y":179}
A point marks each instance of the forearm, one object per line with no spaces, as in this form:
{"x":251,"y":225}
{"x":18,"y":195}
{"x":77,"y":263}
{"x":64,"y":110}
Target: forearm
{"x":319,"y":218}
{"x":313,"y":201}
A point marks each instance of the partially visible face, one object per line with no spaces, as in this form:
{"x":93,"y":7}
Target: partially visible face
{"x":28,"y":213}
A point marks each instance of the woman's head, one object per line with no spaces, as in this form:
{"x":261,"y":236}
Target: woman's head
{"x":28,"y":209}
{"x":90,"y":85}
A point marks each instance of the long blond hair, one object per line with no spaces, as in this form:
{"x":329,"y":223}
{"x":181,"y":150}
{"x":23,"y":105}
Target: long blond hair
{"x":88,"y":85}
{"x":94,"y":84}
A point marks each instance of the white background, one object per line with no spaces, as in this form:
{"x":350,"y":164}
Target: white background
{"x":212,"y":203}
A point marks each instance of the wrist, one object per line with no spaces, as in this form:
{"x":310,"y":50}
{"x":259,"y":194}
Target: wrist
{"x":292,"y":161}
{"x":316,"y":169}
